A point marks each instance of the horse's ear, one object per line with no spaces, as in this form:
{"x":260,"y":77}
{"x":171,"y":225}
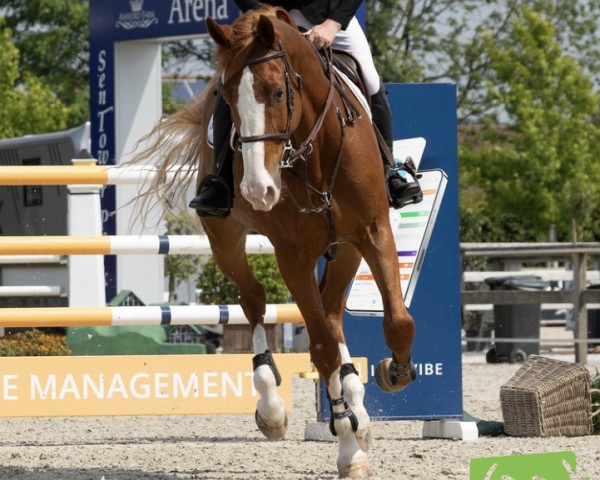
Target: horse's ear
{"x":265,"y":31}
{"x":221,"y":34}
{"x":284,"y":16}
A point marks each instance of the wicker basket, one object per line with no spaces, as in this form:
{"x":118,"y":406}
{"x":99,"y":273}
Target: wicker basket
{"x":547,"y":398}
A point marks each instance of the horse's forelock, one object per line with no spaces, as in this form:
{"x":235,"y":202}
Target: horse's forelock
{"x":243,"y":29}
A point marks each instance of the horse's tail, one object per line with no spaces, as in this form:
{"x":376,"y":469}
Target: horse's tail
{"x":174,"y":145}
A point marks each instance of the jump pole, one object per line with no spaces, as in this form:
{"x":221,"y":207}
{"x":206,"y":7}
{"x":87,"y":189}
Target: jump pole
{"x":120,"y":245}
{"x":87,"y":173}
{"x":85,"y":181}
{"x":144,"y":315}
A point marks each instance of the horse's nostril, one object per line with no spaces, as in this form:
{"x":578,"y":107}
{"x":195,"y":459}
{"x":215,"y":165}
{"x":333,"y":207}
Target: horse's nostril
{"x":270,"y":195}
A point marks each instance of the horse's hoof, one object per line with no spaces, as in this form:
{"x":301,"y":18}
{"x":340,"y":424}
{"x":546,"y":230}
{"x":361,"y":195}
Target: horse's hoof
{"x":358,"y":469}
{"x":384,"y":381}
{"x":273,"y":431}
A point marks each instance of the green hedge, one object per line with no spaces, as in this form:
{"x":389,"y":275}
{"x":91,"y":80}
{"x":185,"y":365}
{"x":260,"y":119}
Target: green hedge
{"x":33,"y":343}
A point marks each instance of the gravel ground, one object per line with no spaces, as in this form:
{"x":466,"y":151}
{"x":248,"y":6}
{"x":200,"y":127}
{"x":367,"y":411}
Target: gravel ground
{"x":230,"y":447}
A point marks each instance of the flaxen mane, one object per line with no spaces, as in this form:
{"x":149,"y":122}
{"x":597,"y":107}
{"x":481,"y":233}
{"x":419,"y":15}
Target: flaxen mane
{"x":231,"y":59}
{"x":174,"y":144}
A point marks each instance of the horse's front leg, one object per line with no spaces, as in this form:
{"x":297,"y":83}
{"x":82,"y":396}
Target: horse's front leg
{"x":271,"y":416}
{"x":334,"y":282}
{"x":395,"y":373}
{"x":228,"y":242}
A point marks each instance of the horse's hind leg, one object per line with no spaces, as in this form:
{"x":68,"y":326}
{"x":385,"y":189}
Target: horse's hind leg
{"x":322,"y":309}
{"x":391,"y":374}
{"x":228,"y":243}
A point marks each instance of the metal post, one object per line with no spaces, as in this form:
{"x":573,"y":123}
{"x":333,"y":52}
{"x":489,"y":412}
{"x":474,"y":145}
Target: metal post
{"x":86,"y":272}
{"x":579,"y":307}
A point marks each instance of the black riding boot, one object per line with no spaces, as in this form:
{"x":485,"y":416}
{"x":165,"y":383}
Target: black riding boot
{"x":401,"y":180}
{"x":215,"y":193}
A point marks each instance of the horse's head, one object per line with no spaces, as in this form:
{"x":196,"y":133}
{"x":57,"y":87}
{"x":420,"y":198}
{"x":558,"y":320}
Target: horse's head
{"x":260,"y":87}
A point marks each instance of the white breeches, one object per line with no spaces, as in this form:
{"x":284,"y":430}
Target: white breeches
{"x":354,"y":41}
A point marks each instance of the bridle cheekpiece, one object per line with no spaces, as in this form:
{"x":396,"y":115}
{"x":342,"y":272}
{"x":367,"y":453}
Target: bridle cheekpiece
{"x":287,"y":157}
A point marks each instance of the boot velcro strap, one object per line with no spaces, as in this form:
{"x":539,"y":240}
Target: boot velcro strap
{"x":347,"y":369}
{"x":409,"y":369}
{"x":347,"y":413}
{"x":267,"y":359}
{"x":338,"y":401}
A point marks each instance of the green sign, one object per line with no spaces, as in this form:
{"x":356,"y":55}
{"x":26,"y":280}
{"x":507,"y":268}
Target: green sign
{"x":539,"y":466}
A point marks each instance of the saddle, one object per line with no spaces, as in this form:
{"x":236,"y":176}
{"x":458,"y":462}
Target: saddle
{"x":350,"y":68}
{"x":348,"y":65}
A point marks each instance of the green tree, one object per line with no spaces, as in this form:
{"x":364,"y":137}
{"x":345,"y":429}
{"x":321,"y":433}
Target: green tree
{"x":190,"y":57}
{"x":539,"y":170}
{"x":217,"y":289}
{"x":27,"y":105}
{"x":441,"y":40}
{"x":179,"y":268}
{"x":52,"y":36}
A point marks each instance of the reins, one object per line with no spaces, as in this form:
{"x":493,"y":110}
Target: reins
{"x":291,"y":155}
{"x":326,"y":197}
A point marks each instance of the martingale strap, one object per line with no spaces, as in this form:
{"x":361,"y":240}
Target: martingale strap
{"x":267,"y":359}
{"x":345,"y":369}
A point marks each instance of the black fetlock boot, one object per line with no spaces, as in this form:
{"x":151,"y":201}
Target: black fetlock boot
{"x":215,"y":192}
{"x":400,"y":179}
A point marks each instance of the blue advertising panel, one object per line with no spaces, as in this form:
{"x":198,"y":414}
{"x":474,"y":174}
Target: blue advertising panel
{"x":428,"y":111}
{"x":123,"y":20}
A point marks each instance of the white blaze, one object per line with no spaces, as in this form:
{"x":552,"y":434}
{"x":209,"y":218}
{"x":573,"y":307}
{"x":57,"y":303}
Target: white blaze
{"x":252,"y":115}
{"x":257,"y":186}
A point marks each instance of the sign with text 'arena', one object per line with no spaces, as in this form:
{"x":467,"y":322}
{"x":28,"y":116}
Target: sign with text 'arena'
{"x":112,"y":22}
{"x":125,"y":102}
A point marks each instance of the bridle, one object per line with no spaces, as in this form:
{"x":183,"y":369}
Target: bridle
{"x":286,"y":135}
{"x":291,"y":154}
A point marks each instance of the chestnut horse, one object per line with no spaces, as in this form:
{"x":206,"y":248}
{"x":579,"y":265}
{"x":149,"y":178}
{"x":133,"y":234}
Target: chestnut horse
{"x":308,"y":176}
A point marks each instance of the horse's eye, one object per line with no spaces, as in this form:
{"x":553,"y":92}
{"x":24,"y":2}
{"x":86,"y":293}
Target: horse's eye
{"x":278,"y":95}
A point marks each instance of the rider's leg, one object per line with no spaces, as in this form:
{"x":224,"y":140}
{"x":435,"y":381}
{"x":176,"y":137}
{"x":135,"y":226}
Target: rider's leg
{"x":215,"y":193}
{"x":401,"y":182}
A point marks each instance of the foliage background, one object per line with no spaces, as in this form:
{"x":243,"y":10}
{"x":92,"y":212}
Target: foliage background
{"x":33,"y":343}
{"x":217,"y":289}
